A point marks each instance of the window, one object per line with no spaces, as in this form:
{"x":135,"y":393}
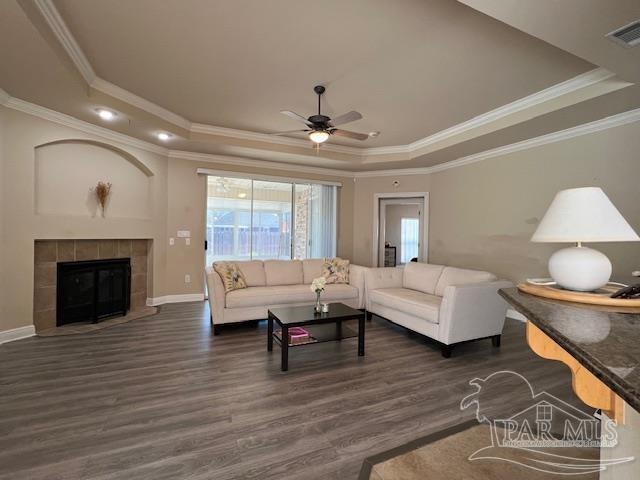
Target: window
{"x":409,"y":239}
{"x":261,"y":219}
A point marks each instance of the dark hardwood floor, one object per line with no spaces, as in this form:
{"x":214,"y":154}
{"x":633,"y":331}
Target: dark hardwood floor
{"x":162,"y":398}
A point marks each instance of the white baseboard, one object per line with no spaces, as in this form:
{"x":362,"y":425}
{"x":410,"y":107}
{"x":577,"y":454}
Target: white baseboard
{"x":187,"y":297}
{"x":17,"y":333}
{"x":516,"y":315}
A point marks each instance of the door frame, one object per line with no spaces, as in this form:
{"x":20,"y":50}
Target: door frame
{"x":377,"y":197}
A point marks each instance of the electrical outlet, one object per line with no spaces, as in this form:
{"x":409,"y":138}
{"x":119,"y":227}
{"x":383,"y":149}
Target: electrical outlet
{"x":187,"y":278}
{"x":172,"y":241}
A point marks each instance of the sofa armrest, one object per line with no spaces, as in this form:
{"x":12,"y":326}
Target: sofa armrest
{"x":382,"y":277}
{"x":356,"y":279}
{"x":217,"y":295}
{"x":472,"y":311}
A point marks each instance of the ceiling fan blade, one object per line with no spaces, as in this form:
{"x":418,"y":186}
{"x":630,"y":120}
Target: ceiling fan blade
{"x":297,"y":117}
{"x":289,"y":132}
{"x":348,"y":134}
{"x":351,"y":116}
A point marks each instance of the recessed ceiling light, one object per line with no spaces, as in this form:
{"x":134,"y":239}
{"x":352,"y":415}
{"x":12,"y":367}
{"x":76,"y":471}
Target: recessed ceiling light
{"x":242,"y":195}
{"x":374,"y":134}
{"x":105,"y":114}
{"x":164,"y":136}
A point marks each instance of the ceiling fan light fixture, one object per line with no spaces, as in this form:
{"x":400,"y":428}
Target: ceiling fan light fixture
{"x":318,"y":136}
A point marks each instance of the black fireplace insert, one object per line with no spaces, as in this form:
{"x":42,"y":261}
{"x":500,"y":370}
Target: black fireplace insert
{"x":93,"y":290}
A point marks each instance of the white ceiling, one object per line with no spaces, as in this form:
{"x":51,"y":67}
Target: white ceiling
{"x":577,"y":26}
{"x":440,"y":79}
{"x":411,"y":67}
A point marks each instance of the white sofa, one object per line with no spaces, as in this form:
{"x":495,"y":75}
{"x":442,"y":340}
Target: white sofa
{"x":274,"y":283}
{"x":450,"y":305}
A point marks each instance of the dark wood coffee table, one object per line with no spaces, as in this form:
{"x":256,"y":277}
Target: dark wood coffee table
{"x":317,"y":324}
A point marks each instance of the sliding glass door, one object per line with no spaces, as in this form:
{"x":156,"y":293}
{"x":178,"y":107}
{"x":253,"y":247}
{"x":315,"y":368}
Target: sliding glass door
{"x":263,"y":219}
{"x":228,"y":232}
{"x":271,"y":220}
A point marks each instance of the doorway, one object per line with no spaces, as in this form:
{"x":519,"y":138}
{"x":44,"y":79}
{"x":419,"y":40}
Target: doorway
{"x":401,"y":232}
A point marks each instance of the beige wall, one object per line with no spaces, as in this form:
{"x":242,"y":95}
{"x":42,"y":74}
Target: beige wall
{"x":482,"y":215}
{"x":176,"y":202}
{"x":22,"y":225}
{"x":187,"y":197}
{"x":65,"y":174}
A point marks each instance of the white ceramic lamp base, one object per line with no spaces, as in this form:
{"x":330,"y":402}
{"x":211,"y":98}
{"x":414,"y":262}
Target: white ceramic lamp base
{"x":580,"y":268}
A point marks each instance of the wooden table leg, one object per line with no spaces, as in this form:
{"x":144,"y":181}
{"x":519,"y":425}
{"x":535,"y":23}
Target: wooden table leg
{"x":285,"y":349}
{"x":270,"y":334}
{"x":361,"y":336}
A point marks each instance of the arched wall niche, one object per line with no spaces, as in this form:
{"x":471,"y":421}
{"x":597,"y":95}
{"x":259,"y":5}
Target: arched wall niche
{"x":67,"y":171}
{"x":123,"y":153}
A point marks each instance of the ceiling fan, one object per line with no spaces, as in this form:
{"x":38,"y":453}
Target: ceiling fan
{"x":321,"y":127}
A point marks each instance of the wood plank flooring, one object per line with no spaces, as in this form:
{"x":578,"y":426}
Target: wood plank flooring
{"x":162,"y":398}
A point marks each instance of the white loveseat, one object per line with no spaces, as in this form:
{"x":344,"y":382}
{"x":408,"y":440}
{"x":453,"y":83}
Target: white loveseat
{"x":274,"y":283}
{"x":450,"y":305}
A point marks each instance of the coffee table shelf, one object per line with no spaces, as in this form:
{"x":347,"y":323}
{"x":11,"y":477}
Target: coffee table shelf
{"x":320,"y":334}
{"x":323,"y":327}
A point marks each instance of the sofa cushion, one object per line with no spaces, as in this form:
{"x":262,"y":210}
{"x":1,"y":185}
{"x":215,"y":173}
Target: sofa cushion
{"x":287,"y":294}
{"x":253,"y":271}
{"x":422,"y":277}
{"x":283,"y":272}
{"x":231,"y":276}
{"x":413,"y":302}
{"x":460,"y":276}
{"x":312,"y":268}
{"x":336,"y":270}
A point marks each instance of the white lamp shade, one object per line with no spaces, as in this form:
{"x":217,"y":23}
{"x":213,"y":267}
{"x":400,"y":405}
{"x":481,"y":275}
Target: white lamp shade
{"x":583,"y":215}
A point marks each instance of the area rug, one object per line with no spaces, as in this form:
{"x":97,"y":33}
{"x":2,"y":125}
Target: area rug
{"x":88,"y":327}
{"x":445,"y":455}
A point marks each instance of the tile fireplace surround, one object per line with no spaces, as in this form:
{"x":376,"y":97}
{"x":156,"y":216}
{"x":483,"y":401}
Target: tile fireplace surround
{"x":48,"y":252}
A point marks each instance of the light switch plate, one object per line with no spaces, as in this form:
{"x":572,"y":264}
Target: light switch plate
{"x":172,"y":241}
{"x":184,"y":233}
{"x":187,"y":241}
{"x":187,"y":278}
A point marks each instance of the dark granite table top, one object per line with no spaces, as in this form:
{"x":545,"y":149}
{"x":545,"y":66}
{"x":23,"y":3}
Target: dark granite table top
{"x":606,"y":343}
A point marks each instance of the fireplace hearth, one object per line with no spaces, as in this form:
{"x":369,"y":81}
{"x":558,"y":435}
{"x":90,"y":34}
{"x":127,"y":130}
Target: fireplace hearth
{"x":92,"y":290}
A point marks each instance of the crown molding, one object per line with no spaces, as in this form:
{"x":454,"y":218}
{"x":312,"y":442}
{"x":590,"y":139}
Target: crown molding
{"x":579,"y":82}
{"x":139,"y":102}
{"x":66,"y":38}
{"x":248,"y":162}
{"x":587,"y":128}
{"x":62,"y":32}
{"x":4,"y":97}
{"x":86,"y":127}
{"x":553,"y":92}
{"x":617,"y":120}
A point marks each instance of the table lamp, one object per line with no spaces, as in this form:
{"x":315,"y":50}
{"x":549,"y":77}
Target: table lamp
{"x":582,"y":215}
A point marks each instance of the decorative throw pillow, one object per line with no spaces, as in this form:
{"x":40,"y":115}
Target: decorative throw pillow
{"x":336,"y":270}
{"x":231,"y":276}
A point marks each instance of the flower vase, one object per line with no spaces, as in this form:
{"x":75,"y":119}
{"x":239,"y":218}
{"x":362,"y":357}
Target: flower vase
{"x":318,"y":307}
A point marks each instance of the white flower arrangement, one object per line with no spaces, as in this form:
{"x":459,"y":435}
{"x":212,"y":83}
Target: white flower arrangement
{"x":318,"y":284}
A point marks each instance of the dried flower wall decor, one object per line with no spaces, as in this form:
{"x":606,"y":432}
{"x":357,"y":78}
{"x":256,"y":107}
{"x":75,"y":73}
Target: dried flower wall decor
{"x":102,"y":191}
